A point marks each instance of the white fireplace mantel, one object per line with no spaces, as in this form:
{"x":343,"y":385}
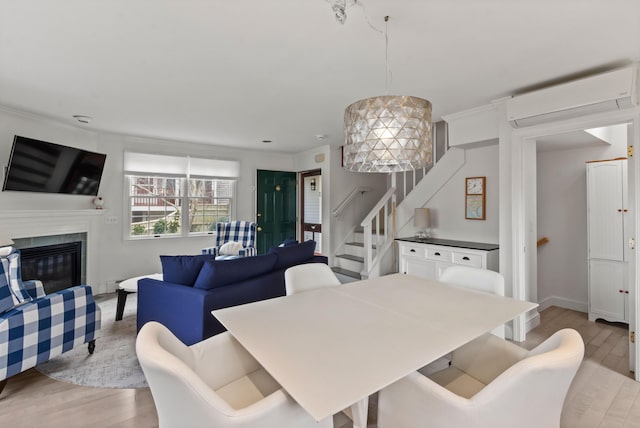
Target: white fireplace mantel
{"x":33,"y":223}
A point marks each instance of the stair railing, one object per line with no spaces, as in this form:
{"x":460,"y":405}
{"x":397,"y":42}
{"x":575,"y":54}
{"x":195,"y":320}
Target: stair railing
{"x":402,"y":183}
{"x":350,"y":197}
{"x":378,"y":229}
{"x":405,"y":182}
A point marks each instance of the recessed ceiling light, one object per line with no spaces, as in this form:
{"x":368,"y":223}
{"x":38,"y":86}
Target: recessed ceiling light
{"x":82,"y":119}
{"x":266,"y":141}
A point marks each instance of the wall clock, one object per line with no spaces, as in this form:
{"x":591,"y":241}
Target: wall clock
{"x":475,"y":192}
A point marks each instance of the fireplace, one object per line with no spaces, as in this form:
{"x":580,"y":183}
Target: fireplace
{"x":37,"y":228}
{"x":58,"y":266}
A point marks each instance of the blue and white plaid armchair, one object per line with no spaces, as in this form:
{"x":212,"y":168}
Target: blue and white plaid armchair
{"x":243,"y":232}
{"x":34,"y":326}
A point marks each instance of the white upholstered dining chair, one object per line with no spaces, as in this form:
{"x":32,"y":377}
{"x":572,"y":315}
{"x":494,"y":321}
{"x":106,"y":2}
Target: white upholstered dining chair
{"x":308,"y":276}
{"x":491,"y":383}
{"x":214,"y":383}
{"x":474,"y":278}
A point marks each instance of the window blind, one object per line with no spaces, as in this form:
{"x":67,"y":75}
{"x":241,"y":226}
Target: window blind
{"x":152,"y":164}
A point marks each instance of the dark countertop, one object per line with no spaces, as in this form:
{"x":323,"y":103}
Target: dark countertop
{"x":451,"y":243}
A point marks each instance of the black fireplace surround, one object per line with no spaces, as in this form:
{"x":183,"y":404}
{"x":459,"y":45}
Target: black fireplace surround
{"x":58,"y":266}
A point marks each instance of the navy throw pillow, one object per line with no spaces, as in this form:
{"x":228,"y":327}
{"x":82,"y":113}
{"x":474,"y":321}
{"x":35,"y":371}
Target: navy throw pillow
{"x":182,"y":269}
{"x":287,"y":242}
{"x":292,"y":255}
{"x":218,"y":273}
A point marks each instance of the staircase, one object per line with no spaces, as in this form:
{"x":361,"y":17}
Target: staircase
{"x":350,"y":263}
{"x":368,"y":250}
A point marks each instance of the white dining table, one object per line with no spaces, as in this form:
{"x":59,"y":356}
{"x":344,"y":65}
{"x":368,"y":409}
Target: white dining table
{"x":332,"y":347}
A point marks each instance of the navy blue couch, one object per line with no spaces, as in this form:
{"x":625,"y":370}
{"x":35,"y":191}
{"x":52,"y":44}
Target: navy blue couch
{"x":193,"y":286}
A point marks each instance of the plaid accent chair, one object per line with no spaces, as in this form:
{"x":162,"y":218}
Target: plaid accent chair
{"x":243,"y":232}
{"x":42,"y":326}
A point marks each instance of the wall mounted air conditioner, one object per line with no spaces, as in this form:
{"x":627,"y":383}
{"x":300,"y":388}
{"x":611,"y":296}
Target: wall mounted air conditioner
{"x":603,"y":92}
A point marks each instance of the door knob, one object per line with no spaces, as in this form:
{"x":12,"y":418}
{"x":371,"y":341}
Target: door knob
{"x":259,"y":229}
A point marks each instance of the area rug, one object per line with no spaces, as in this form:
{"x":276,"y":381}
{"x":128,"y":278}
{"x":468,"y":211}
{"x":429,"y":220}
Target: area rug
{"x":114,"y":363}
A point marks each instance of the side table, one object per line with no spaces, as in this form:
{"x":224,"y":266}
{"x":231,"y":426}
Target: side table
{"x":127,"y":287}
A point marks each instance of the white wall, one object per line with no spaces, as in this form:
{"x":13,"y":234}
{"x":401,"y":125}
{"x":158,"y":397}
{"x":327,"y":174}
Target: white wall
{"x":137,"y":257}
{"x":561,"y":210}
{"x":341,"y":183}
{"x":41,"y":129}
{"x":447,"y":207}
{"x":120,"y":258}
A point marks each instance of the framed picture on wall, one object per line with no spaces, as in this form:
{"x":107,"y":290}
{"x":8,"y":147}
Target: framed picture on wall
{"x":475,"y":198}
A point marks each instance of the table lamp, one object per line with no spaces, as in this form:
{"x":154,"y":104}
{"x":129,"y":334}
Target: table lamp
{"x":5,"y":244}
{"x":421,"y":222}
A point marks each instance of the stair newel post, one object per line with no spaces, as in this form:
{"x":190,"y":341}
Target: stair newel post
{"x":368,"y":259}
{"x":392,"y":217}
{"x":394,"y":261}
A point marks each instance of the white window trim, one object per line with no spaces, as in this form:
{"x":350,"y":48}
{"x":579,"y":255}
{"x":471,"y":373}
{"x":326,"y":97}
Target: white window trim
{"x":184,"y":188}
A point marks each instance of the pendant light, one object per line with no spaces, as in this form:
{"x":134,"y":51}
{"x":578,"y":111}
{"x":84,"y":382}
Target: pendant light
{"x":388,"y":133}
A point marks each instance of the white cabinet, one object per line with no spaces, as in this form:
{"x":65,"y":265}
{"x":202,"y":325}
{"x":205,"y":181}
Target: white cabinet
{"x":427,"y":258}
{"x":606,"y":219}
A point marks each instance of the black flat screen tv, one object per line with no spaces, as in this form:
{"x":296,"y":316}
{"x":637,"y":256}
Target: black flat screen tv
{"x":39,"y":166}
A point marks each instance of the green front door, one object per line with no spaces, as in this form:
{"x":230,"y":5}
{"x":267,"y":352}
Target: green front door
{"x":276,"y":203}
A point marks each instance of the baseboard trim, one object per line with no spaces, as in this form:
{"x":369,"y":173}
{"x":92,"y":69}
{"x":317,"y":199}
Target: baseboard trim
{"x":533,"y":317}
{"x":533,"y":320}
{"x":562,"y":302}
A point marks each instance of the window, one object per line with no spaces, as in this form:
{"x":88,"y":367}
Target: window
{"x":178,"y":196}
{"x":209,"y":203}
{"x":155,"y":205}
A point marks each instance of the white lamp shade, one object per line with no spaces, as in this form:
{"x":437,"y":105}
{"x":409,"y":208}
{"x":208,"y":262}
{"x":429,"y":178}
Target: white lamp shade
{"x":421,"y":218}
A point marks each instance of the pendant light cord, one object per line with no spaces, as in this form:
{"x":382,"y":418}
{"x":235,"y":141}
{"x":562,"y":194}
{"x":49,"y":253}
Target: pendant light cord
{"x":387,"y":80}
{"x":339,"y":8}
{"x":388,"y":74}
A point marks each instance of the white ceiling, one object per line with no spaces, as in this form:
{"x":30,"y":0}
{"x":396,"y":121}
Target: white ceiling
{"x":602,"y":136}
{"x":568,"y":141}
{"x":237,"y":72}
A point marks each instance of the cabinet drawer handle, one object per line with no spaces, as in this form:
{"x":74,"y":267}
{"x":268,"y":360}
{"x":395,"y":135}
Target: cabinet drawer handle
{"x":619,"y":211}
{"x":412,"y":250}
{"x":465,"y":258}
{"x":620,"y":291}
{"x":626,"y":292}
{"x":625,"y":211}
{"x":436,"y":254}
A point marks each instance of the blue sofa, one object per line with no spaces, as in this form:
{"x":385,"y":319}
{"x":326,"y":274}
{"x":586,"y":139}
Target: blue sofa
{"x":193,"y":286}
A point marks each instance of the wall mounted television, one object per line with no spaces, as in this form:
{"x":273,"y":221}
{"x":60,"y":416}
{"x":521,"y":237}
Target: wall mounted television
{"x":39,"y":166}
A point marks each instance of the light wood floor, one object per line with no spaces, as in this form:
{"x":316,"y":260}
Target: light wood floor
{"x":603,"y":393}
